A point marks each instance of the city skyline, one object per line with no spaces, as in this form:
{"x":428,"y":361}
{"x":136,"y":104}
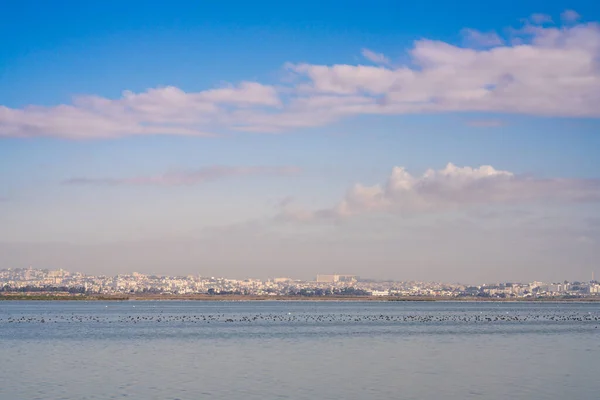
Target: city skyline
{"x":30,"y":281}
{"x":408,"y":142}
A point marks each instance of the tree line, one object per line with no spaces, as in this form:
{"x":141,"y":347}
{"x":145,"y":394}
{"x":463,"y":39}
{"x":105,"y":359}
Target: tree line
{"x":42,"y":289}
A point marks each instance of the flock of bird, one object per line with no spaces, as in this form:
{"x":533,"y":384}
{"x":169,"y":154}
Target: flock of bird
{"x":166,"y":318}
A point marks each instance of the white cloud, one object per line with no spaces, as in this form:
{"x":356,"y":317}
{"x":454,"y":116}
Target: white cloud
{"x":544,"y":71}
{"x":377,"y":58}
{"x":190,"y":177}
{"x":450,"y":188}
{"x":556,"y":74}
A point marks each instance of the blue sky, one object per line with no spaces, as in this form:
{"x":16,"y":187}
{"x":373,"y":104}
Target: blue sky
{"x":263,"y":139}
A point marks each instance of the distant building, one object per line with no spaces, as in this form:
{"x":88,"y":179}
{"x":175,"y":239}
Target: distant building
{"x":380,"y":293}
{"x":336,"y":278}
{"x":326,"y":278}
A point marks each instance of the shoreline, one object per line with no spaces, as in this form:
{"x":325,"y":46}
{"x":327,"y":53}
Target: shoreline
{"x":206,"y":297}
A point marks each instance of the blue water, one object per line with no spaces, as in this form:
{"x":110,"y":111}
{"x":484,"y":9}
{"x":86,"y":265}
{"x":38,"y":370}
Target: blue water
{"x":299,"y":350}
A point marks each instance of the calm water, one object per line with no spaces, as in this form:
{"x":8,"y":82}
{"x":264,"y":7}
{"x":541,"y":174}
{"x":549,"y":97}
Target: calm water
{"x":298,"y":350}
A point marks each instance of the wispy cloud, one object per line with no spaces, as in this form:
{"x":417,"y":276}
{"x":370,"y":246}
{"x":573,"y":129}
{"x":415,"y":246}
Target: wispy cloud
{"x":284,"y":202}
{"x":570,"y":16}
{"x":475,"y":38}
{"x":542,"y":71}
{"x":377,"y":58}
{"x":446,"y":189}
{"x":486,"y":123}
{"x":190,"y":177}
{"x":163,"y":110}
{"x":540,"y":19}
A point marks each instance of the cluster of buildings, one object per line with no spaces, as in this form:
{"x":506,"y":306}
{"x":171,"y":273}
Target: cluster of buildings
{"x":38,"y":280}
{"x":541,"y":289}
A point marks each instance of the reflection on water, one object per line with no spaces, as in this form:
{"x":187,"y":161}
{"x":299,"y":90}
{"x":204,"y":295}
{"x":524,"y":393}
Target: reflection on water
{"x":298,"y":350}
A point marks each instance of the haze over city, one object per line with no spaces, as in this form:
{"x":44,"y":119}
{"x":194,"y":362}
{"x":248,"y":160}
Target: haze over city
{"x":456,"y":143}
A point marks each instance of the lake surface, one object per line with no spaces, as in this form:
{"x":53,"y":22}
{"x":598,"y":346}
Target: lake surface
{"x":299,"y":350}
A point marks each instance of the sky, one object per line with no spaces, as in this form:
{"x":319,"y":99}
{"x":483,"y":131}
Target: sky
{"x":391,"y":140}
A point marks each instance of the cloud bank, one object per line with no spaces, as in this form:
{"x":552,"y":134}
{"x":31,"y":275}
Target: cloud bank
{"x":192,"y":177}
{"x":450,"y":188}
{"x":537,"y":69}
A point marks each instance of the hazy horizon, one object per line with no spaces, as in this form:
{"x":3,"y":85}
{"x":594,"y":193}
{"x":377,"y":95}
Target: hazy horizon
{"x":446,"y":143}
